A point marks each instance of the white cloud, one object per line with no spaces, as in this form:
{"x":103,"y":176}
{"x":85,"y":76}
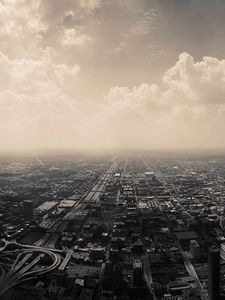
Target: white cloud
{"x":34,"y":104}
{"x":91,"y":4}
{"x":21,"y":27}
{"x":146,"y":23}
{"x":17,"y":73}
{"x":28,"y":27}
{"x":73,"y":37}
{"x":204,"y":82}
{"x":44,"y":42}
{"x":186,"y":111}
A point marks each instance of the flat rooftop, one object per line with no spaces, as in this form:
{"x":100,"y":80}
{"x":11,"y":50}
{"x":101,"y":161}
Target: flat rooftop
{"x":186,"y":235}
{"x":67,"y":203}
{"x":46,"y":206}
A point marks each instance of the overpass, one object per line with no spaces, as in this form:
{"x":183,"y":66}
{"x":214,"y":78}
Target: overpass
{"x":28,"y":264}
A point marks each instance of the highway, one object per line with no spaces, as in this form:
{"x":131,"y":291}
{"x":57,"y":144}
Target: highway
{"x":145,"y":260}
{"x":2,"y":273}
{"x":3,"y":245}
{"x":95,"y":192}
{"x":112,"y":220}
{"x":222,"y":251}
{"x":65,"y":261}
{"x":25,"y":267}
{"x":191,"y":271}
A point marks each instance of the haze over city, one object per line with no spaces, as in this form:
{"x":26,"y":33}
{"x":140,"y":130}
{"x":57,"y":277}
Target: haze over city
{"x":112,"y":150}
{"x":112,"y":74}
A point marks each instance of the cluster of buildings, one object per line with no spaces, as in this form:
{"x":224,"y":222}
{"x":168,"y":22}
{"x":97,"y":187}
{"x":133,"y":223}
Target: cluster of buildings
{"x":134,"y":228}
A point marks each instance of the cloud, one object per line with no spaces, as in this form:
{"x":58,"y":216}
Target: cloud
{"x":148,"y":21}
{"x":202,"y":81}
{"x":91,"y":4}
{"x":122,"y":46}
{"x":35,"y":104}
{"x":186,"y":110}
{"x":73,"y":37}
{"x":20,"y":23}
{"x":16,"y":73}
{"x":28,"y":27}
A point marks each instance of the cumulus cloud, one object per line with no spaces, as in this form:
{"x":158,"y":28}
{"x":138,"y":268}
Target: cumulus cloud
{"x":202,"y":81}
{"x":21,"y":27}
{"x":17,"y":73}
{"x":27,"y":27}
{"x":186,"y":110}
{"x":45,"y":101}
{"x":34,"y":101}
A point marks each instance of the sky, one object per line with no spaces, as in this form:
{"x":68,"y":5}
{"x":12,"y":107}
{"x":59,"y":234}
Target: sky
{"x":112,"y":74}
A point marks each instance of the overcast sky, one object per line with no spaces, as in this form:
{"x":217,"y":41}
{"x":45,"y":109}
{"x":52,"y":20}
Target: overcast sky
{"x":133,"y":74}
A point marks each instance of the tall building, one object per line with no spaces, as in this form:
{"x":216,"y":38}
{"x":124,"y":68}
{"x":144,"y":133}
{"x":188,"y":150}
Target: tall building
{"x":214,"y":273}
{"x":28,"y":210}
{"x":137,"y":273}
{"x":194,"y":249}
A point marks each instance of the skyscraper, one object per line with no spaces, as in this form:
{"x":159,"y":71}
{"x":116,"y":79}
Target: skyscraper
{"x":28,"y":210}
{"x":137,"y":273}
{"x":214,"y":273}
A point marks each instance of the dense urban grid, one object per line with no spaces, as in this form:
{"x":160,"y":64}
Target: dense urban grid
{"x":139,"y":226}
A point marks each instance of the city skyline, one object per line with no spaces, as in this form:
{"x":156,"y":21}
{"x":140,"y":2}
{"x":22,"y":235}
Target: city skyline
{"x":94,"y":74}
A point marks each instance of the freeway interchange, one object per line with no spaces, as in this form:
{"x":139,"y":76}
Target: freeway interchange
{"x":26,"y":264}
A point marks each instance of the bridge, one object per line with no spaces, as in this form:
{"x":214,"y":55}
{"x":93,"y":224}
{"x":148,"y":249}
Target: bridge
{"x":28,"y":262}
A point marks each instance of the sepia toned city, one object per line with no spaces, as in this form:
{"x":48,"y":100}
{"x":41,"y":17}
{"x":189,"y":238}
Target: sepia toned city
{"x":112,"y":150}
